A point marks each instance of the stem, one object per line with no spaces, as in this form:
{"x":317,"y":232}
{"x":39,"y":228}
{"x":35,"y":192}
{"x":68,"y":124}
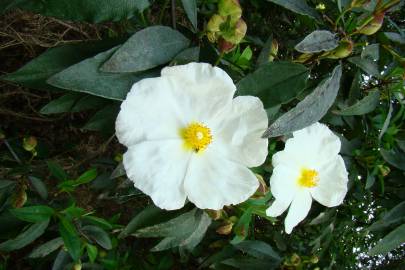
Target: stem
{"x":162,"y":12}
{"x":221,"y":55}
{"x":12,"y":152}
{"x":342,"y":15}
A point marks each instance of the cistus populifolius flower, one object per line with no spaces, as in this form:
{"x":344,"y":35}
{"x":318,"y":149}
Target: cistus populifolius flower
{"x":188,"y":138}
{"x":309,"y":167}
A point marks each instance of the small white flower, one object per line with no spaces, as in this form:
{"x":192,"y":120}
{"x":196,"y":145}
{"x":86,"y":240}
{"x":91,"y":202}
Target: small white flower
{"x":309,"y":167}
{"x":187,"y":137}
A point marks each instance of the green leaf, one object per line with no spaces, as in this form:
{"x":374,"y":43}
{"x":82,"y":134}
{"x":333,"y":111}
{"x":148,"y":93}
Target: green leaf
{"x":391,"y":241}
{"x":100,"y":222}
{"x":86,"y":177}
{"x":367,"y":65}
{"x":318,"y":41}
{"x":371,"y":52}
{"x":39,"y":186}
{"x":187,"y":56}
{"x":37,"y":71}
{"x":241,"y":228}
{"x":190,"y":7}
{"x":185,"y":231}
{"x":46,"y":249}
{"x":84,"y":10}
{"x":92,"y":252}
{"x":25,"y":238}
{"x":6,"y":183}
{"x":248,"y":263}
{"x":395,"y":37}
{"x":61,"y":104}
{"x":85,"y":77}
{"x":57,"y":171}
{"x":258,"y":249}
{"x":61,"y":260}
{"x":104,"y":119}
{"x":309,"y":110}
{"x":70,"y":238}
{"x":265,"y":53}
{"x":98,"y":235}
{"x":297,"y":6}
{"x":363,"y":106}
{"x":275,"y":83}
{"x":33,"y":213}
{"x":395,"y":215}
{"x":146,"y":49}
{"x":394,"y":157}
{"x":88,"y":102}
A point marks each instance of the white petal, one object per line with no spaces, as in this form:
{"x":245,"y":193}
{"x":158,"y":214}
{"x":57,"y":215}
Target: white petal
{"x":332,"y":186}
{"x":212,"y":181}
{"x":310,"y":147}
{"x":299,"y":209}
{"x":149,"y":112}
{"x":277,"y":208}
{"x":283,"y":183}
{"x":237,"y":132}
{"x":158,"y":168}
{"x":202,"y":90}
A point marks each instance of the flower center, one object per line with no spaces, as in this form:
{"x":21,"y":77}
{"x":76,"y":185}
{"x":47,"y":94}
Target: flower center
{"x":308,"y":178}
{"x":196,"y":136}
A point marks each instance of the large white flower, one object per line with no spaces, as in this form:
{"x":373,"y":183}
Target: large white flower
{"x":187,"y":137}
{"x":309,"y":167}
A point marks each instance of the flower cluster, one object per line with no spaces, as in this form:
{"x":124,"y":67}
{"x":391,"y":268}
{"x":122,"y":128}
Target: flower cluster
{"x":188,"y":138}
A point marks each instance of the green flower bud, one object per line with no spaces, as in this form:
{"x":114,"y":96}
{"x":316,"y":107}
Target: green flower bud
{"x":29,"y":143}
{"x":225,"y":46}
{"x":213,"y":27}
{"x":230,"y":8}
{"x":77,"y":266}
{"x":236,"y":34}
{"x":344,"y":49}
{"x":273,"y":50}
{"x":225,"y":229}
{"x":215,"y":214}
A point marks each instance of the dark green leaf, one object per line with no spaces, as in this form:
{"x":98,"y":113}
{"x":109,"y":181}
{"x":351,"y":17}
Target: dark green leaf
{"x":367,"y":65}
{"x":92,"y":252}
{"x":395,"y":215}
{"x":86,"y":177}
{"x":85,"y":77}
{"x":363,"y":106}
{"x":6,"y":183}
{"x":39,"y":186}
{"x":371,"y":52}
{"x":318,"y":41}
{"x":88,"y":102}
{"x":104,"y":119}
{"x":84,"y":10}
{"x":118,"y":171}
{"x":190,"y":6}
{"x":309,"y":110}
{"x":57,"y":171}
{"x":36,"y":72}
{"x":146,"y":49}
{"x":37,"y":213}
{"x":98,"y":235}
{"x":100,"y":222}
{"x":61,"y":260}
{"x":241,"y":228}
{"x":25,"y":238}
{"x":297,"y":6}
{"x":395,"y":37}
{"x":61,"y":104}
{"x":248,"y":263}
{"x":187,"y":56}
{"x":395,"y":158}
{"x":275,"y":83}
{"x":391,"y":241}
{"x":70,"y":238}
{"x":265,"y":53}
{"x":47,"y":248}
{"x":258,"y":249}
{"x":185,"y":231}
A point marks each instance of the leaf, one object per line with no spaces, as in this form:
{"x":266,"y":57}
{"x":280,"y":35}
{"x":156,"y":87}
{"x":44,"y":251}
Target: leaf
{"x":6,"y":183}
{"x":61,"y":104}
{"x":86,"y":177}
{"x":146,"y":49}
{"x":265,"y":53}
{"x":395,"y":158}
{"x":248,"y":263}
{"x":25,"y":238}
{"x":61,"y":260}
{"x":46,"y":249}
{"x":100,"y":222}
{"x":395,"y":215}
{"x":297,"y":6}
{"x":39,"y":186}
{"x":241,"y":228}
{"x":85,"y":77}
{"x":395,"y":37}
{"x":88,"y":102}
{"x":118,"y":171}
{"x":190,"y":7}
{"x":258,"y":249}
{"x":84,"y":10}
{"x":104,"y":119}
{"x":37,"y":71}
{"x":309,"y":110}
{"x":57,"y":171}
{"x":318,"y":41}
{"x":187,"y":56}
{"x":36,"y":213}
{"x":371,"y":52}
{"x":92,"y":252}
{"x":275,"y":83}
{"x":391,"y":241}
{"x":70,"y":238}
{"x":363,"y":106}
{"x":367,"y":65}
{"x":386,"y":123}
{"x":185,"y":231}
{"x":98,"y":235}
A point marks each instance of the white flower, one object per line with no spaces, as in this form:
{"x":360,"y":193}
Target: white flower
{"x":309,"y":167}
{"x":188,"y":138}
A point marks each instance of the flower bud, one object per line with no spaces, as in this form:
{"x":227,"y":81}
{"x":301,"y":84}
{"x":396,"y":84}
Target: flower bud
{"x":295,"y":259}
{"x":262,"y":189}
{"x":273,"y":50}
{"x":213,"y":27}
{"x":29,"y":143}
{"x":230,"y":8}
{"x":118,"y":157}
{"x":373,"y":26}
{"x":77,"y":266}
{"x":320,"y":6}
{"x":215,"y":214}
{"x":225,"y":229}
{"x":358,"y":3}
{"x":20,"y":197}
{"x":384,"y":170}
{"x":225,"y":46}
{"x":344,"y":49}
{"x":2,"y":135}
{"x":314,"y":259}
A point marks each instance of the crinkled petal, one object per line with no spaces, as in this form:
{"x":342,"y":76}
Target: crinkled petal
{"x":283,"y":183}
{"x":332,"y":185}
{"x":237,"y":132}
{"x":150,"y":112}
{"x":158,"y":168}
{"x":298,"y":210}
{"x":277,"y":208}
{"x":201,"y":89}
{"x":212,"y":181}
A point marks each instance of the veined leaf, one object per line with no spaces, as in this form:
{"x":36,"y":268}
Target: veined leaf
{"x":297,"y":6}
{"x":363,"y":106}
{"x":70,"y":238}
{"x":46,"y":248}
{"x":258,"y":249}
{"x":391,"y":241}
{"x":395,"y":158}
{"x":36,"y":213}
{"x":318,"y":41}
{"x":98,"y":235}
{"x":61,"y":104}
{"x":190,"y":7}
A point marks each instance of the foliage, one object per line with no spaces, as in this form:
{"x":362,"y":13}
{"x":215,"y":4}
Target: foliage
{"x":338,"y":62}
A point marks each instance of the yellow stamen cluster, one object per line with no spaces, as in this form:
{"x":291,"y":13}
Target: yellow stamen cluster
{"x":308,"y":178}
{"x":196,"y":136}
